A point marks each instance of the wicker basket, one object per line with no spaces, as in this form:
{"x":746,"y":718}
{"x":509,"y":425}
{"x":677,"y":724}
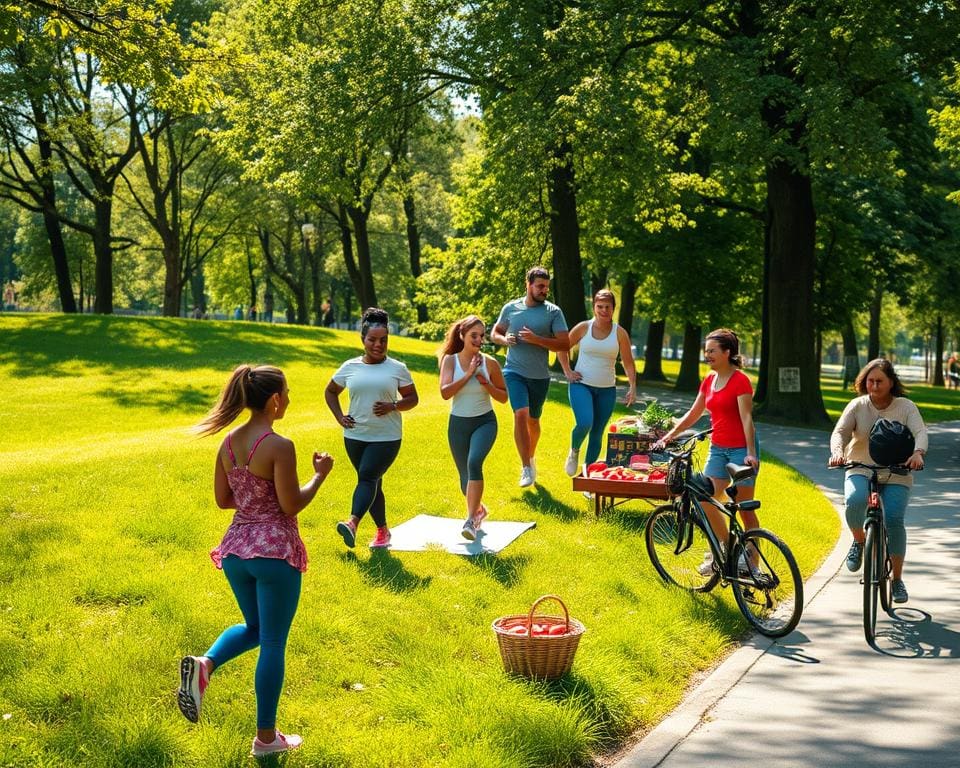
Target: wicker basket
{"x":545,"y":657}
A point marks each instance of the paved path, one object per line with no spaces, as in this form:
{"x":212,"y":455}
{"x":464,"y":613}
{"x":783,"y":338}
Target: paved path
{"x":821,"y":696}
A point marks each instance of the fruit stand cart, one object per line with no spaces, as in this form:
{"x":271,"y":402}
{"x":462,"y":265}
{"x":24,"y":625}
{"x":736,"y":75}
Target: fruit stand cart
{"x":627,"y":473}
{"x":609,"y":493}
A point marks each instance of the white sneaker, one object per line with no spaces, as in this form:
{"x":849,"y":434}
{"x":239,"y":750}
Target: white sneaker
{"x":572,"y":467}
{"x":526,"y":477}
{"x":588,"y":495}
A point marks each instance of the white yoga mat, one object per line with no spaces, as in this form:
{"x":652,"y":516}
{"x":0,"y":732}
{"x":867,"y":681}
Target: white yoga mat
{"x":428,"y":532}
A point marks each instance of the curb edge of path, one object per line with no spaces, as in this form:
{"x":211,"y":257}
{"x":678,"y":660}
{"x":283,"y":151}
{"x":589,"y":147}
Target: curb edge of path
{"x":657,"y":744}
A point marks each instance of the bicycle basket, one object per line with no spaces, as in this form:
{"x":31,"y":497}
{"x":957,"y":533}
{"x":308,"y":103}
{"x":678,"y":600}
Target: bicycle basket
{"x":678,"y":473}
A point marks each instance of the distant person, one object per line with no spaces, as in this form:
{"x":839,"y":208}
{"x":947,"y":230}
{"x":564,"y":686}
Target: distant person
{"x":530,"y":327}
{"x":9,"y":297}
{"x":727,"y":394}
{"x":253,"y":313}
{"x":882,"y":396}
{"x":380,"y":388}
{"x":197,"y":313}
{"x":593,"y":379}
{"x":261,"y":554}
{"x":953,"y":372}
{"x":470,"y":378}
{"x":238,"y":313}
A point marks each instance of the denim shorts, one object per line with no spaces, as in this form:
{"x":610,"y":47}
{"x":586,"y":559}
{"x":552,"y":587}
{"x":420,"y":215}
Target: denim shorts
{"x":718,"y":458}
{"x":526,"y":393}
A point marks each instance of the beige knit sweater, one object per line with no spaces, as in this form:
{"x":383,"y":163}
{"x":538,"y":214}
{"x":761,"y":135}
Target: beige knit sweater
{"x":852,"y":433}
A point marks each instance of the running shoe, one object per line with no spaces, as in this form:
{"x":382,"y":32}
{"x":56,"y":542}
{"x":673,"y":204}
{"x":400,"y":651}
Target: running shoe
{"x":899,"y":591}
{"x":382,"y":539}
{"x":193,"y":684}
{"x":348,"y":530}
{"x":855,"y":557}
{"x":572,"y":467}
{"x":526,"y":477}
{"x":281,"y":743}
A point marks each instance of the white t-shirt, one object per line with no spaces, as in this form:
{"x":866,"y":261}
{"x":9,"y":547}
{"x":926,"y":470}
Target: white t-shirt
{"x":367,"y":383}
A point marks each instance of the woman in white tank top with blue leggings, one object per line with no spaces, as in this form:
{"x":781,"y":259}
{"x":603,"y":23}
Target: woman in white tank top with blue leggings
{"x":470,"y":378}
{"x":593,"y":381}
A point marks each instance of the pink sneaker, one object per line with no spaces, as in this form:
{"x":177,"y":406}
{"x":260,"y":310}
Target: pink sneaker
{"x":480,"y":516}
{"x":382,"y":539}
{"x":348,"y":529}
{"x":193,"y":683}
{"x":280,"y":744}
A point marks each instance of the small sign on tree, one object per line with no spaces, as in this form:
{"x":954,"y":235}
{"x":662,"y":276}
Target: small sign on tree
{"x":789,"y":379}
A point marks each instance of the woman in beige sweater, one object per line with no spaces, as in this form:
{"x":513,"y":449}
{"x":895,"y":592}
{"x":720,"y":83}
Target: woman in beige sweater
{"x":882,"y":397}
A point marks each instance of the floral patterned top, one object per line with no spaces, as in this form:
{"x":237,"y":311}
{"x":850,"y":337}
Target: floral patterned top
{"x":259,"y":527}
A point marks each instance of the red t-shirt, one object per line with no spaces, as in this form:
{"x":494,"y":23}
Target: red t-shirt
{"x":724,"y":412}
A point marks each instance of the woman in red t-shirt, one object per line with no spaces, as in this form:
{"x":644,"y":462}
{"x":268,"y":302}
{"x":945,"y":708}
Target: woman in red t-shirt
{"x":727,"y":394}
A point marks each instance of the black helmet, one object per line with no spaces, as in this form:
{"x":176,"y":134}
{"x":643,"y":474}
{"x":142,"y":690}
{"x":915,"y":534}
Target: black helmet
{"x":890,"y":442}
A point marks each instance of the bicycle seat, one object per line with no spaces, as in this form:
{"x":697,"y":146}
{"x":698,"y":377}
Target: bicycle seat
{"x":739,"y":472}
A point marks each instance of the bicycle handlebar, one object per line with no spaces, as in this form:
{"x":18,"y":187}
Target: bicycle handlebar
{"x":897,"y":469}
{"x":688,"y":441}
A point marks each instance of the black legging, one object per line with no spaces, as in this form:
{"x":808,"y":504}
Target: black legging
{"x":371,"y":460}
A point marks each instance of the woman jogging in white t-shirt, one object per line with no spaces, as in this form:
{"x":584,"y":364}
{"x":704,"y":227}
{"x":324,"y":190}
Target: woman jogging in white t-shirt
{"x":470,"y":378}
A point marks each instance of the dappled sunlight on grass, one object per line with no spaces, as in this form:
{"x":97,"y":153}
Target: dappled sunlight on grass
{"x":108,"y":517}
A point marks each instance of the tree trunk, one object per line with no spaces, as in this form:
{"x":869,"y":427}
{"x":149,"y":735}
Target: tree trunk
{"x":938,"y":359}
{"x":103,"y":253}
{"x":628,"y":293}
{"x":628,"y":300}
{"x":367,"y":293}
{"x":873,"y":339}
{"x":51,"y":220}
{"x":792,"y":326}
{"x":58,"y":252}
{"x":763,"y":373}
{"x":851,"y":355}
{"x":688,"y":380}
{"x":565,"y":238}
{"x":346,"y":243}
{"x":653,"y":356}
{"x":413,"y":243}
{"x":598,"y":280}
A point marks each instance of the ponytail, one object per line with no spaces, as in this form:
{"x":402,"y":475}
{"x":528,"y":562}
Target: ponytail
{"x":248,"y":387}
{"x":453,"y":342}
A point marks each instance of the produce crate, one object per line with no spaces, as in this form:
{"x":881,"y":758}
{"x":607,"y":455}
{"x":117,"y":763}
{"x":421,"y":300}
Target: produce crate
{"x":620,"y":447}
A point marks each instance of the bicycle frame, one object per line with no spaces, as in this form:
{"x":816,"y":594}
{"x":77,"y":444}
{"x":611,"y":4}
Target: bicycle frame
{"x":691,"y":501}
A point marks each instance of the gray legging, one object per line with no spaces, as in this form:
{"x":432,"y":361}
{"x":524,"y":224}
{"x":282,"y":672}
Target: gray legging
{"x":471,"y":438}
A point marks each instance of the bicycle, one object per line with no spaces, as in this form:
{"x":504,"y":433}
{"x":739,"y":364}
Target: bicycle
{"x":769,"y":594}
{"x":877,"y":568}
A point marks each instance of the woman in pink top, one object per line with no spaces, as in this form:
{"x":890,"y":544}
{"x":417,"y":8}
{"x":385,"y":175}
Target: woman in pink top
{"x":727,"y":394}
{"x":261,"y":554}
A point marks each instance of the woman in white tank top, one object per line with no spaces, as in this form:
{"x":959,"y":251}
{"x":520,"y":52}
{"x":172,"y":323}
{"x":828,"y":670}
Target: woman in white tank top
{"x":593,"y":381}
{"x":470,"y":378}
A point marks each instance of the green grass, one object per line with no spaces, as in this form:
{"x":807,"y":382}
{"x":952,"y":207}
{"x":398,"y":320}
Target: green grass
{"x":108,"y":515}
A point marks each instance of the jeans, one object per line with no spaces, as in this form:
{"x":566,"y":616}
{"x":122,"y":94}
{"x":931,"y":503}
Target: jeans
{"x":895,"y":497}
{"x":592,"y":407}
{"x":268,"y":591}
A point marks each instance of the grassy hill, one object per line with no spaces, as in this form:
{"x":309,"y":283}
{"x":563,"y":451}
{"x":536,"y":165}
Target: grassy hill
{"x":108,"y":513}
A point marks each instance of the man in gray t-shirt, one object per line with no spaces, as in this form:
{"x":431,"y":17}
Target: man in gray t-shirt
{"x":530,"y":327}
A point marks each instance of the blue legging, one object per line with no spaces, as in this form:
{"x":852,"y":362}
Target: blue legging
{"x":371,"y":460}
{"x":592,"y":407}
{"x":267,"y":591}
{"x":895,"y":498}
{"x":471,"y":438}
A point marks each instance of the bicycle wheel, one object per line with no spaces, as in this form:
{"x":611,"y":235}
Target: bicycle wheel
{"x":662,"y":534}
{"x":885,"y":571}
{"x":872,"y":569}
{"x":772,"y":598}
